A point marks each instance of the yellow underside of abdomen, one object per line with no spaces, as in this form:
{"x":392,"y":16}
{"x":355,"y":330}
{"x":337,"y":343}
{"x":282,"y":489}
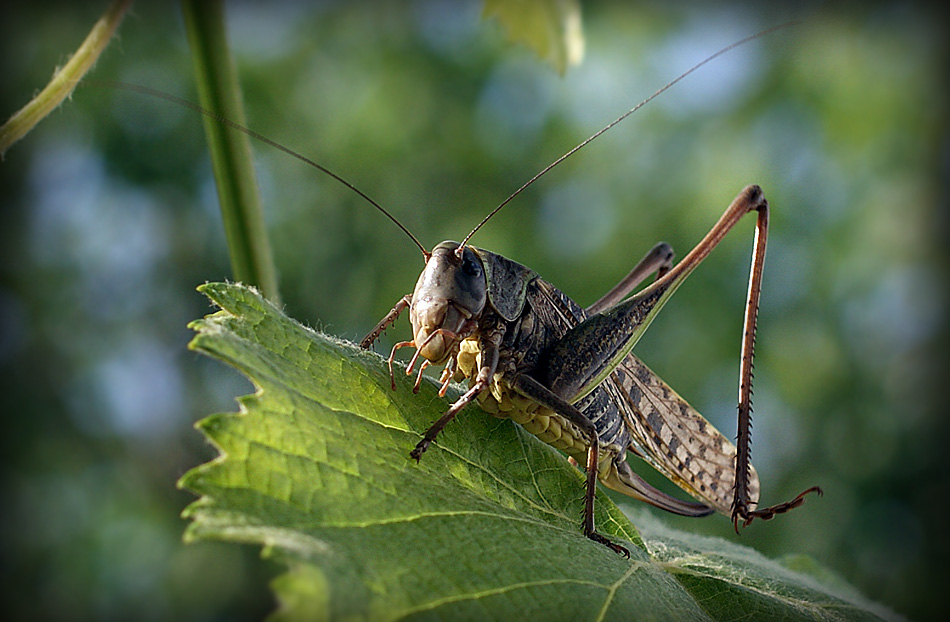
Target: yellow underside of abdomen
{"x":502,"y":401}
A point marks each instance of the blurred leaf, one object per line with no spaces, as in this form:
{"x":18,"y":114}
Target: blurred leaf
{"x":552,"y":28}
{"x":316,"y":468}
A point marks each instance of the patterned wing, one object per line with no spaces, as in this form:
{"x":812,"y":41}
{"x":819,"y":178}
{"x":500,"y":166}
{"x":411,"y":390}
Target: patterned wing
{"x":675,"y":439}
{"x":666,"y":431}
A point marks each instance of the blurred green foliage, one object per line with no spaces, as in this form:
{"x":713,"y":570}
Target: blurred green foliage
{"x":110,"y":220}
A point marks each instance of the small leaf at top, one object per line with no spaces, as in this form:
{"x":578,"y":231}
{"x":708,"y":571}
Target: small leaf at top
{"x":552,"y":28}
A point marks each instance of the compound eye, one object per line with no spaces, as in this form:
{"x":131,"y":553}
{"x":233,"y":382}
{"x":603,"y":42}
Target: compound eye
{"x":471,"y":266}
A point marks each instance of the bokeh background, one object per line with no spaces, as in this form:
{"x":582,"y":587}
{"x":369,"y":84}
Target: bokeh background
{"x":109,"y":221}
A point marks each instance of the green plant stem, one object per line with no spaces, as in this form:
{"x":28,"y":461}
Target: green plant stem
{"x":64,"y":80}
{"x":251,"y":258}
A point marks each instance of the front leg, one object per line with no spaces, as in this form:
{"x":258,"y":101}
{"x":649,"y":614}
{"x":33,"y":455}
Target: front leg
{"x":489,"y":364}
{"x":384,"y":323}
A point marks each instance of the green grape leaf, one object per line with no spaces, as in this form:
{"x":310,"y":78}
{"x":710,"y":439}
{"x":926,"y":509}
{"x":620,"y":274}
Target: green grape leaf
{"x":315,"y":468}
{"x":551,"y":28}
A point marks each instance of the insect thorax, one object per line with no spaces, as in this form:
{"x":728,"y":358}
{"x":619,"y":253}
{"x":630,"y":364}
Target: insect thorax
{"x":524,"y":341}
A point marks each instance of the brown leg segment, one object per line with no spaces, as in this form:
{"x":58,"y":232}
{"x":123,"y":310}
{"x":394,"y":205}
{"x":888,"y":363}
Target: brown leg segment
{"x":659,"y":260}
{"x":467,"y":398}
{"x":770,"y":512}
{"x":490,"y":356}
{"x":531,"y":388}
{"x":390,"y":317}
{"x":741,"y":509}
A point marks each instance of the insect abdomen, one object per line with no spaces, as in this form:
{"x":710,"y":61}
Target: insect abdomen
{"x":502,"y":401}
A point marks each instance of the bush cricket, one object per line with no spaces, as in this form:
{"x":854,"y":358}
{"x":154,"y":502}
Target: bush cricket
{"x":567,"y":374}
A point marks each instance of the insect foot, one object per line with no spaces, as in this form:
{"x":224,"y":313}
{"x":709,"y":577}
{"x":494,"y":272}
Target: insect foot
{"x":616,"y":548}
{"x":741,"y":510}
{"x":419,"y":449}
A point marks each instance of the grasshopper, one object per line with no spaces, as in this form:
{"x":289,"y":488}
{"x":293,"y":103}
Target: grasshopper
{"x":567,"y":374}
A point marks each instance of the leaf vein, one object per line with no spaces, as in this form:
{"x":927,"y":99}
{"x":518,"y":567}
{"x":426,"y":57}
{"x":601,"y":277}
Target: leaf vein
{"x":612,"y":591}
{"x":496,"y":591}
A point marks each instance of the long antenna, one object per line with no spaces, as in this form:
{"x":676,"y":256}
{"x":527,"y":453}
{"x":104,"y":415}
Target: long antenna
{"x":144,"y":90}
{"x":596,"y":134}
